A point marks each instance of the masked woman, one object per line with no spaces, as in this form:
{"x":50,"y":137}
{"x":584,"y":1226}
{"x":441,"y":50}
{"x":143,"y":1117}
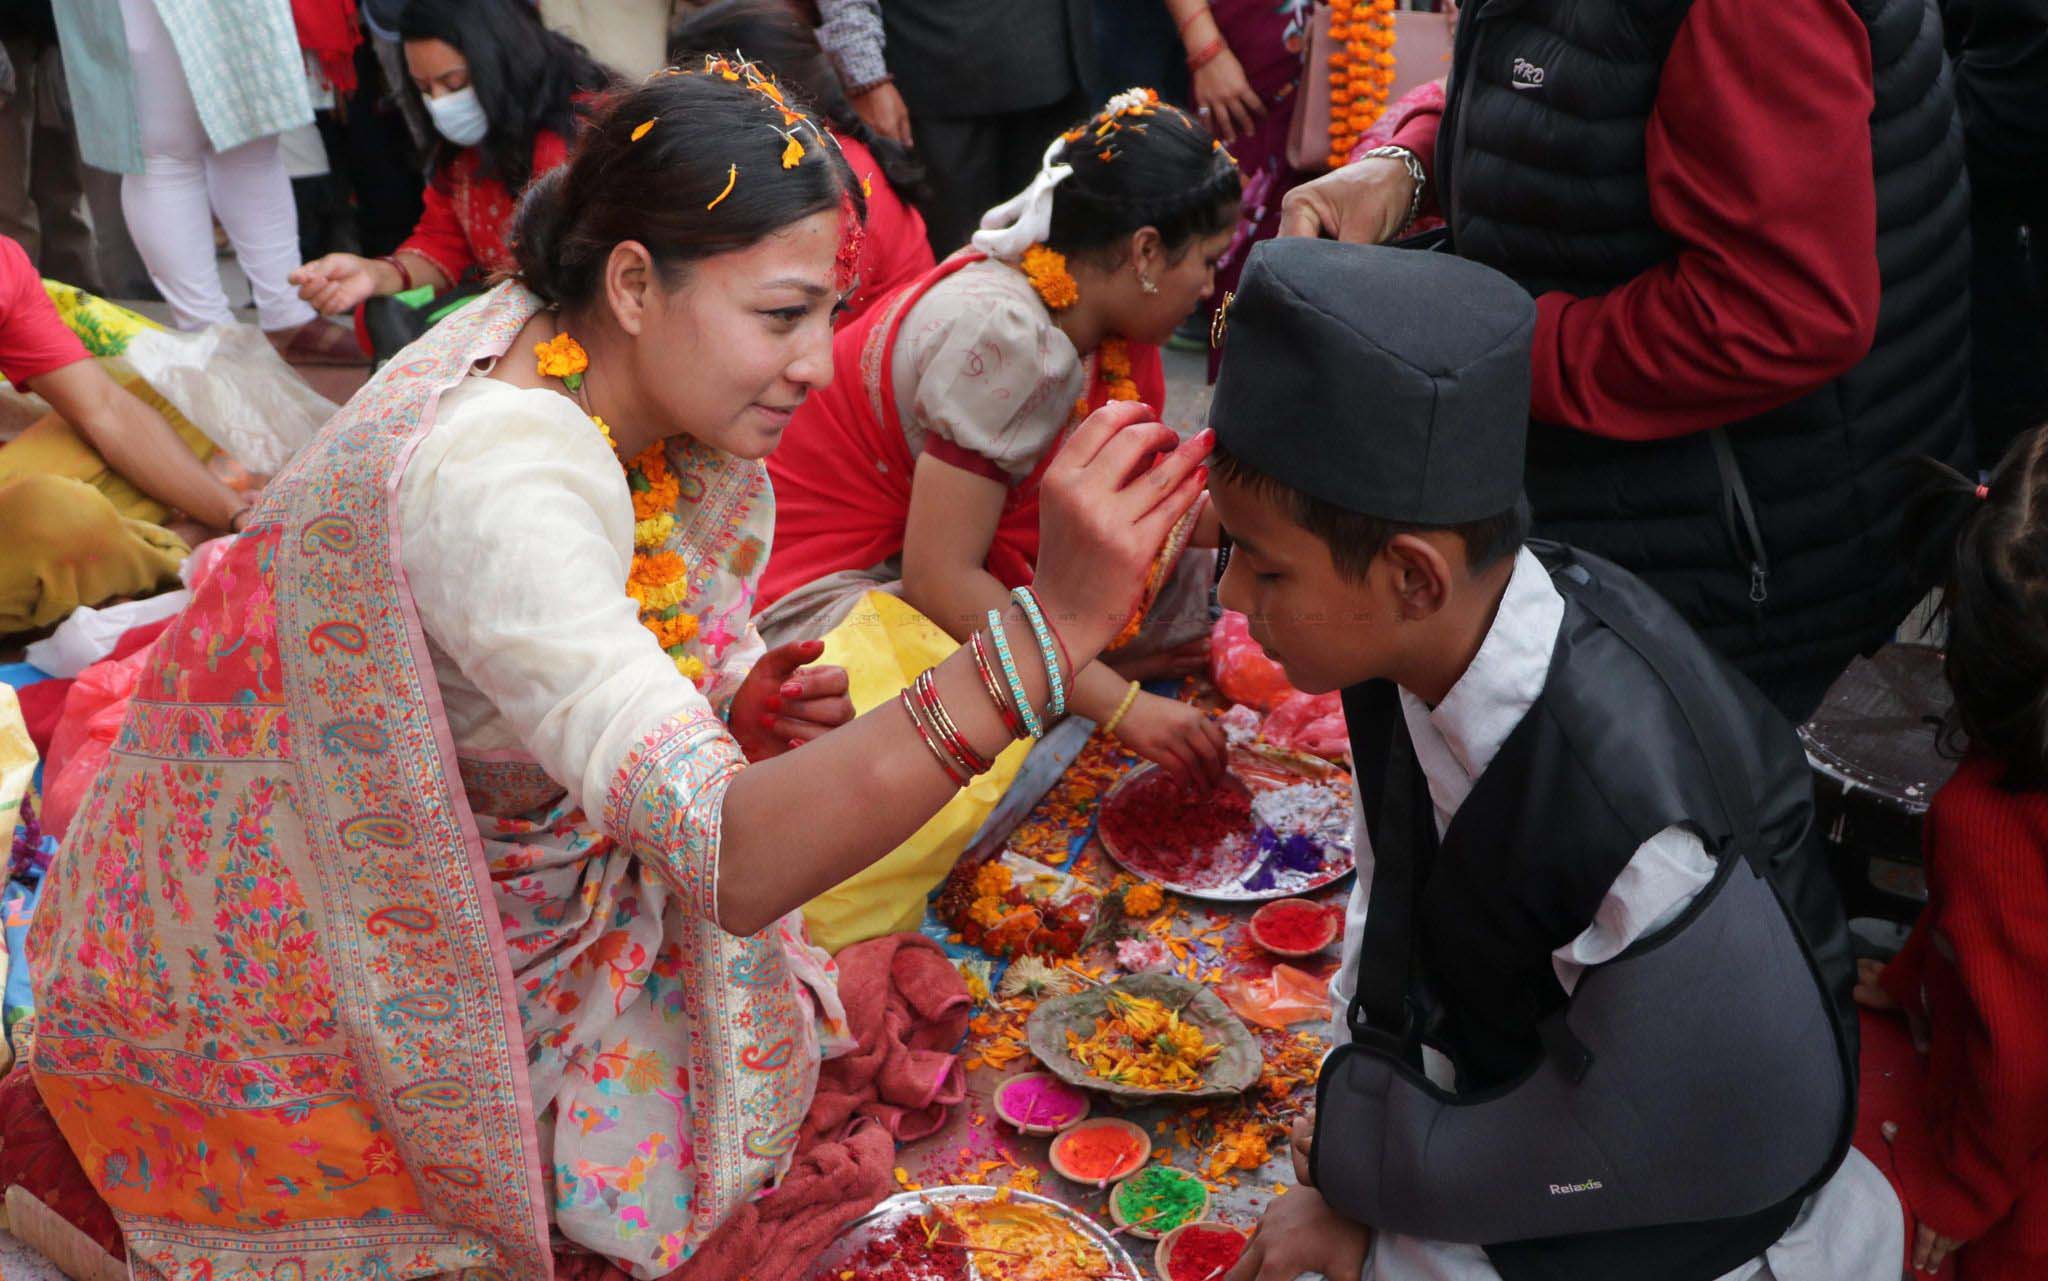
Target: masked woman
{"x":427,"y":907}
{"x":503,"y":92}
{"x":918,"y":472}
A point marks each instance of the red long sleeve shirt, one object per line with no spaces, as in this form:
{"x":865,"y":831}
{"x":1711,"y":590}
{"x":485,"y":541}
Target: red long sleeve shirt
{"x":1758,"y":155}
{"x":466,"y":219}
{"x":1972,"y":1160}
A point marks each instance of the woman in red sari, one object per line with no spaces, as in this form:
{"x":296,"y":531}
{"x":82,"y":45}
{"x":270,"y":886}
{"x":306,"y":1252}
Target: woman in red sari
{"x":770,"y":35}
{"x":506,"y":96}
{"x":916,"y":472}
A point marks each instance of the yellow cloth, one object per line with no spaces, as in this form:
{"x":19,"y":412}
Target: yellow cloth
{"x":76,"y":531}
{"x":68,"y":545}
{"x":883,"y":644}
{"x":50,"y":447}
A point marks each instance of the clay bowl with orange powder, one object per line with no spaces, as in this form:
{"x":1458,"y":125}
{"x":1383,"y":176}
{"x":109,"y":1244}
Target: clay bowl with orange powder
{"x":1097,"y":1153}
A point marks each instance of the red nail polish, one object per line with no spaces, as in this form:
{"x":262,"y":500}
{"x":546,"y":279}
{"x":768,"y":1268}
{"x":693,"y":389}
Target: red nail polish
{"x":793,"y":689}
{"x":794,"y":744}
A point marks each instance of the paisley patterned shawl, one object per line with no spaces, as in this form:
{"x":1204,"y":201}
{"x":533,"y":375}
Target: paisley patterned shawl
{"x":276,"y":1019}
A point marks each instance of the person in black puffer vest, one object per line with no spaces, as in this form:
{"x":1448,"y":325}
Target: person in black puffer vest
{"x":1747,"y":229}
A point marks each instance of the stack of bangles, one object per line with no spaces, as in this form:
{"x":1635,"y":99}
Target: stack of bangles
{"x":998,"y":667}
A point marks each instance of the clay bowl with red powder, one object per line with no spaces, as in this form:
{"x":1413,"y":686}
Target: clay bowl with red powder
{"x":1293,"y":927}
{"x":1200,"y":1251}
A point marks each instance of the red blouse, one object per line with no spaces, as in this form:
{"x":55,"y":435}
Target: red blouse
{"x":468,"y":218}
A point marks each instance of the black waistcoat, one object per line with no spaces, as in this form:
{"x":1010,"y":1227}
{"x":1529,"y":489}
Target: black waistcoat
{"x":1540,"y":168}
{"x":1639,"y":727}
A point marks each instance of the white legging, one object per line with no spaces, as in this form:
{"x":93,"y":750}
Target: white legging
{"x":185,"y":184}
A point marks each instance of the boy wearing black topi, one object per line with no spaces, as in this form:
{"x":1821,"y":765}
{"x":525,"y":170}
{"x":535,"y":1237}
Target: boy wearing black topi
{"x":1595,"y":988}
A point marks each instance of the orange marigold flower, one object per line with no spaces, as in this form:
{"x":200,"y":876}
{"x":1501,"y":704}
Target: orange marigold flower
{"x":560,"y":357}
{"x":678,"y":629}
{"x":1046,"y":269}
{"x":992,"y":878}
{"x":1143,"y":900}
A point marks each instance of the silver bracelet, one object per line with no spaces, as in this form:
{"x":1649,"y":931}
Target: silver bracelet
{"x":1413,"y":163}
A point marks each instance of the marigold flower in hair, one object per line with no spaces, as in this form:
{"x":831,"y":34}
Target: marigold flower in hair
{"x":1046,"y":269}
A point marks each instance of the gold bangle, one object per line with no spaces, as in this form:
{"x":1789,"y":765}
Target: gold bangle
{"x":1116,"y":718}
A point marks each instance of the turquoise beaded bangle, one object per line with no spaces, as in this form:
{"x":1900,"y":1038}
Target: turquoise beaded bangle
{"x":1017,"y":694}
{"x":1025,"y":597}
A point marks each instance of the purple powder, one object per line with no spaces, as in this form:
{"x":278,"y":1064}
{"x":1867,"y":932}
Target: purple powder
{"x":28,"y":857}
{"x":1296,"y":856}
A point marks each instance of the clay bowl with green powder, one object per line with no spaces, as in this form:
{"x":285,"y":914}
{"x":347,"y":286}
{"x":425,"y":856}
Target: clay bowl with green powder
{"x":1156,"y":1200}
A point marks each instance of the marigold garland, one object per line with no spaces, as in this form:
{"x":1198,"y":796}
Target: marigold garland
{"x":659,"y":581}
{"x":1113,"y":358}
{"x":1361,"y":71}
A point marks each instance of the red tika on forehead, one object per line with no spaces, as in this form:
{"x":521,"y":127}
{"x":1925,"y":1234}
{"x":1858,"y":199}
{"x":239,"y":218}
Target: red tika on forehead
{"x":852,"y":236}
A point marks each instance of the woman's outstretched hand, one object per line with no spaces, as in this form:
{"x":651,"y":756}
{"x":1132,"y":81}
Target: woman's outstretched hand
{"x":1106,"y":505}
{"x":336,"y":283}
{"x":783,"y":704}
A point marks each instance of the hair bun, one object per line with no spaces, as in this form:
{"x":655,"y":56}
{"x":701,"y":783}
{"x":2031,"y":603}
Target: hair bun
{"x":538,"y":228}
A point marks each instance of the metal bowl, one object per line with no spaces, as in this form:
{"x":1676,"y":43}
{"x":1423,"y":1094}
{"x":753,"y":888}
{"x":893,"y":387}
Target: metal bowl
{"x":856,"y":1235}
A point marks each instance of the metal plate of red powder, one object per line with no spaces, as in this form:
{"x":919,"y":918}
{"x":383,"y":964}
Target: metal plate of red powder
{"x":1210,"y":846}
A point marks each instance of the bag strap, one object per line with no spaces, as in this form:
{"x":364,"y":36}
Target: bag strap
{"x":1575,"y":581}
{"x":1404,"y":842}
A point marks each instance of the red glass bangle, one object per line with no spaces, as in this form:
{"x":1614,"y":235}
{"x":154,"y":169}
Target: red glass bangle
{"x":404,"y":272}
{"x":1012,"y":720}
{"x":1207,"y":54}
{"x":949,"y":733}
{"x":931,"y":742}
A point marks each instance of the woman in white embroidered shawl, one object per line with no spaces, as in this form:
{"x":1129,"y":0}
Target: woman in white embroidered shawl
{"x":523,"y":927}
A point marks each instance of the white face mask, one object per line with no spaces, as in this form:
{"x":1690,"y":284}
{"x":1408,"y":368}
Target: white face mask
{"x":459,"y":117}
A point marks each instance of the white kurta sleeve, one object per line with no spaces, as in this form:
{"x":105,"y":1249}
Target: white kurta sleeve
{"x":516,"y":537}
{"x":1663,"y":877}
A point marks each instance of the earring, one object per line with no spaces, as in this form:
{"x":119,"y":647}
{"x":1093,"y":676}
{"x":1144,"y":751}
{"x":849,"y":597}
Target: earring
{"x":1145,"y":283}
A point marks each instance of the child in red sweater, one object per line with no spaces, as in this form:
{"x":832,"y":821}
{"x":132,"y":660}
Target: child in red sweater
{"x":1971,"y":1159}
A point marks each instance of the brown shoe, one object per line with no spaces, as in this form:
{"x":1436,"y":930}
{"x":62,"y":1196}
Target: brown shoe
{"x":318,"y":342}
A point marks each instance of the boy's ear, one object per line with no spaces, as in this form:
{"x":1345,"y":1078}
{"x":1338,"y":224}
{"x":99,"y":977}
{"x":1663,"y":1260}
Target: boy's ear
{"x":1420,"y":575}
